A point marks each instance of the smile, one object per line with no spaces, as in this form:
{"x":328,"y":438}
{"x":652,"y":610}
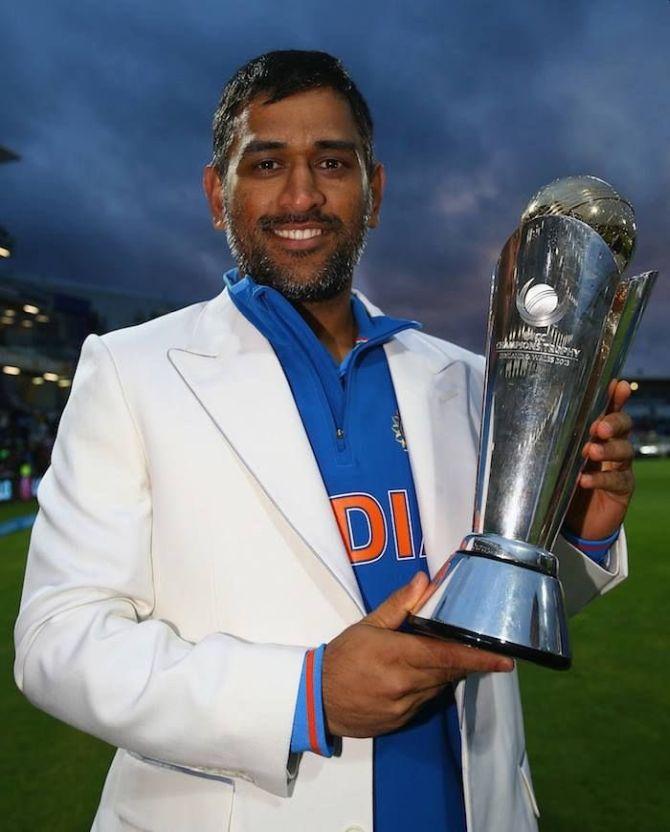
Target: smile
{"x":298,"y":233}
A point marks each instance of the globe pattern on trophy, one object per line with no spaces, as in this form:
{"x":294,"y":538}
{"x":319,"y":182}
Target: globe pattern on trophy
{"x":594,"y":202}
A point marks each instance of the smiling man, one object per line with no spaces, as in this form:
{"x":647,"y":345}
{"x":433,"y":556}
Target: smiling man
{"x":296,"y":188}
{"x":305,"y":236}
{"x":246,"y":498}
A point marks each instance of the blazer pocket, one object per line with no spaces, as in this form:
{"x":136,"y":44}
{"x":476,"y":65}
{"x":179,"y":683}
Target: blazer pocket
{"x":152,"y":797}
{"x":524,"y":772}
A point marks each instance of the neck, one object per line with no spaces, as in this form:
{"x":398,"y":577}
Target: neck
{"x":332,"y":322}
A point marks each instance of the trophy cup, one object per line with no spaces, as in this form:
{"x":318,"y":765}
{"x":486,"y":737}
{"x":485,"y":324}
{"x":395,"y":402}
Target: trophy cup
{"x":562,"y":317}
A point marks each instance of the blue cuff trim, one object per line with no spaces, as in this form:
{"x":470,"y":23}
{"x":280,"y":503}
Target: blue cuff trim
{"x":309,"y":723}
{"x":597,"y":550}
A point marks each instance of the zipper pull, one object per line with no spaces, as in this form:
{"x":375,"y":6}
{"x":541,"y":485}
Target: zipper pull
{"x":339,"y":433}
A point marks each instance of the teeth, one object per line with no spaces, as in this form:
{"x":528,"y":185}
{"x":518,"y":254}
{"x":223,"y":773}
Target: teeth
{"x":298,"y":234}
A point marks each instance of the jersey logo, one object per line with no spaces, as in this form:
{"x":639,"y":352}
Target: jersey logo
{"x":364,"y":526}
{"x":398,"y":432}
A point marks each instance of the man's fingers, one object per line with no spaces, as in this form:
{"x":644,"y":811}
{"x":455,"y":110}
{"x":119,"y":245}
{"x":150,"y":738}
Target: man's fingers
{"x":473,"y":660}
{"x":615,"y":482}
{"x":392,"y":612}
{"x":614,"y":422}
{"x":615,"y":450}
{"x":430,"y":654}
{"x":612,"y":425}
{"x":622,"y":393}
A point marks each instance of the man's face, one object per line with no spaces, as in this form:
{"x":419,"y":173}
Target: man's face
{"x":296,"y":199}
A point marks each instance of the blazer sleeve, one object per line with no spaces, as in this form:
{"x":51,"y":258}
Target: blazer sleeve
{"x":582,"y":578}
{"x":87,"y":648}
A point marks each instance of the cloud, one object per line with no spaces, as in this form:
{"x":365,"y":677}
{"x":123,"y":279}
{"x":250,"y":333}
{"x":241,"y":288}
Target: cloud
{"x":476,"y":106}
{"x":463,"y":196}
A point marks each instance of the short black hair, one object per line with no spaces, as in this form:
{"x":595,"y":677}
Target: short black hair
{"x":280,"y":74}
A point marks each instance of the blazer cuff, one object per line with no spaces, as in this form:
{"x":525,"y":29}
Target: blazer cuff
{"x":582,"y":578}
{"x":597,"y":550}
{"x":309,"y":721}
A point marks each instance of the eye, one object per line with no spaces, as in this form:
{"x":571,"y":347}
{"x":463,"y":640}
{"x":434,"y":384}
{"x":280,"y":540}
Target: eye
{"x":331,"y":164}
{"x":267,"y":165}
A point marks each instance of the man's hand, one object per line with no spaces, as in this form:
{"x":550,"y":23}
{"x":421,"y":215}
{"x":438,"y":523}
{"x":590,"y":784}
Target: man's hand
{"x":375,"y":679}
{"x":606,"y":486}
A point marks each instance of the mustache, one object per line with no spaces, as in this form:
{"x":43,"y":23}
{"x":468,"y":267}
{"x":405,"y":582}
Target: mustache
{"x":267,"y":223}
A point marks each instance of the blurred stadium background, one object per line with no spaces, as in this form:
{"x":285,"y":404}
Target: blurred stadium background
{"x":596,"y":735}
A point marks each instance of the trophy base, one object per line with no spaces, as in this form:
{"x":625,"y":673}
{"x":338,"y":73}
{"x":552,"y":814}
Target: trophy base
{"x":500,"y":595}
{"x":436,"y":629}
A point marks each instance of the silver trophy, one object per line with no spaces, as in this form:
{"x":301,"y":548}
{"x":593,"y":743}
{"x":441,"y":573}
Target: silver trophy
{"x":562,"y":317}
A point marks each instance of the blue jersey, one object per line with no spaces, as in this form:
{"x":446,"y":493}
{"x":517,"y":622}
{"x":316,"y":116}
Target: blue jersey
{"x":351,"y":417}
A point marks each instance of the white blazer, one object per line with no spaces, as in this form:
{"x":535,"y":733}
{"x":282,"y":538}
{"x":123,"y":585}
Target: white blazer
{"x":185,"y":554}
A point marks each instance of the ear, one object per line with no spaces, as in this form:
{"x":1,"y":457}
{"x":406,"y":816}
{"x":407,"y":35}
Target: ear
{"x":377,"y":183}
{"x":211,"y":183}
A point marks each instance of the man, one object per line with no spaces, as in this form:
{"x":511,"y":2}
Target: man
{"x":245,"y":499}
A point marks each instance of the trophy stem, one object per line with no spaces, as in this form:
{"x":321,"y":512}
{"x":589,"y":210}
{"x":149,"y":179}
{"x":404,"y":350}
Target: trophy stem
{"x":541,"y":358}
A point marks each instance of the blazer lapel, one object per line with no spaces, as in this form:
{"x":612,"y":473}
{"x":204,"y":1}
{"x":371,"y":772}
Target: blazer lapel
{"x":439,"y":403}
{"x":439,"y":415}
{"x":234,"y":373}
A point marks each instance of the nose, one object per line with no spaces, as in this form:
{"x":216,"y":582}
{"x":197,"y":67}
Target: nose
{"x":301,"y":192}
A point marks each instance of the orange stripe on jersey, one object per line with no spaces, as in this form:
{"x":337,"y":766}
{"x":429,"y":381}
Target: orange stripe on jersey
{"x":343,"y":505}
{"x":402,"y":525}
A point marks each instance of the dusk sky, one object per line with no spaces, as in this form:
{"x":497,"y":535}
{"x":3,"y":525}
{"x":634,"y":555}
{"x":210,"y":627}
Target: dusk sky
{"x":476,"y":105}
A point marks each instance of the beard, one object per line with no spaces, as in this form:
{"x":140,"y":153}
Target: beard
{"x":333,"y":277}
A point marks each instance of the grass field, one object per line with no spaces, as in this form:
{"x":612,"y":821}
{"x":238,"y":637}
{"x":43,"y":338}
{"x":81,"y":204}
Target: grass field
{"x":597,"y":735}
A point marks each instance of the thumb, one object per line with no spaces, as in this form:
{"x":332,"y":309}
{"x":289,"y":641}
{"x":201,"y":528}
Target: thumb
{"x":391,"y":613}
